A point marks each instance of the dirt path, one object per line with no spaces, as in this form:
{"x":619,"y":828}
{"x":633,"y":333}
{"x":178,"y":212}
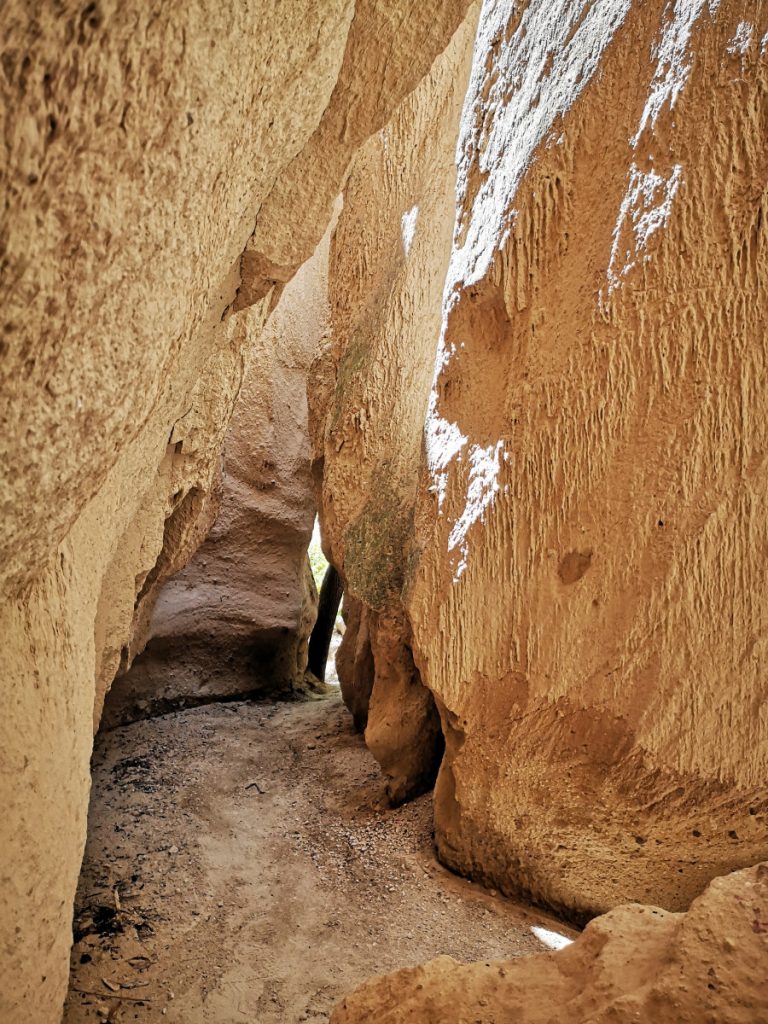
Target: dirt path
{"x":242,"y":866}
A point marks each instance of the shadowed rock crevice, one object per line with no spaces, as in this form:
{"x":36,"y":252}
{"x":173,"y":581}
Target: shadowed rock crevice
{"x":328,"y":604}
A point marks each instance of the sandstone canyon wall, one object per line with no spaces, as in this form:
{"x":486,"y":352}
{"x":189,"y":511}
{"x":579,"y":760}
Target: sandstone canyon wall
{"x":368,"y":393}
{"x":587,"y":606}
{"x":155,"y":162}
{"x":582,"y":579}
{"x":538,"y":429}
{"x":237,"y":618}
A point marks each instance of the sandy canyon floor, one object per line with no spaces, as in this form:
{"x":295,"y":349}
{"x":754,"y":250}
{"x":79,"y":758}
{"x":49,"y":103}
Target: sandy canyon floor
{"x":243,"y":866}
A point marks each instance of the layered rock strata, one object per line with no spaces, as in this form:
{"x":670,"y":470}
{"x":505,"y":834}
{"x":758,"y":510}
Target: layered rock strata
{"x":143,"y":149}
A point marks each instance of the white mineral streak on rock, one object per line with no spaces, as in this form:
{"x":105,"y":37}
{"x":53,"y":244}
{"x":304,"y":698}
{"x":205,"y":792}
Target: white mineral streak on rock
{"x":672,"y":60}
{"x":647,"y":202}
{"x":741,"y":39}
{"x":408,"y":227}
{"x":645,"y":209}
{"x":526,"y":93}
{"x":484,"y":465}
{"x":537,"y":76}
{"x":444,"y":440}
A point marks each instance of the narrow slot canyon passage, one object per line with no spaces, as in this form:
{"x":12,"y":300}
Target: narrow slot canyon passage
{"x":458,"y":309}
{"x":243,"y":863}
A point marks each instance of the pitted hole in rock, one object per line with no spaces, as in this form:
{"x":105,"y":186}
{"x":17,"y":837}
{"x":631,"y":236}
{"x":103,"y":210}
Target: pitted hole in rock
{"x":573,"y":566}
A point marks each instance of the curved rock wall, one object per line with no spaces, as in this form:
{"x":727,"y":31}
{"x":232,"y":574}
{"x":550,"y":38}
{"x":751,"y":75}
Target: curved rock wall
{"x":588,"y":607}
{"x":140,"y":148}
{"x":66,"y":633}
{"x":237,"y":618}
{"x":368,"y":394}
{"x":583,"y":575}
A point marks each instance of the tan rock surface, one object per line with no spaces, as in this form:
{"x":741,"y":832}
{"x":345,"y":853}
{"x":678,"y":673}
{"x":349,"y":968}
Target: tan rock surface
{"x":708,"y":966}
{"x":63,"y":638}
{"x":138,"y":148}
{"x":390,"y":48}
{"x":368,"y":395}
{"x":588,"y":606}
{"x":587,"y":602}
{"x":237,"y":618}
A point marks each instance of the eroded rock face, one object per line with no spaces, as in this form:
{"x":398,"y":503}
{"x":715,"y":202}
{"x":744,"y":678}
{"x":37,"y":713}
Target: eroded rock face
{"x":369,"y":395}
{"x":634,"y":963}
{"x":118,"y":123}
{"x":65,"y":635}
{"x":140,"y":147}
{"x":390,"y":47}
{"x":588,"y":604}
{"x":237,"y":618}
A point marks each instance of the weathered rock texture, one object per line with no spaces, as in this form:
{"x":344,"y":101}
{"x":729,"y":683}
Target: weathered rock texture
{"x":636,"y":963}
{"x":588,"y":606}
{"x":237,"y":618}
{"x":583,"y":580}
{"x":142,"y":148}
{"x":369,"y":393}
